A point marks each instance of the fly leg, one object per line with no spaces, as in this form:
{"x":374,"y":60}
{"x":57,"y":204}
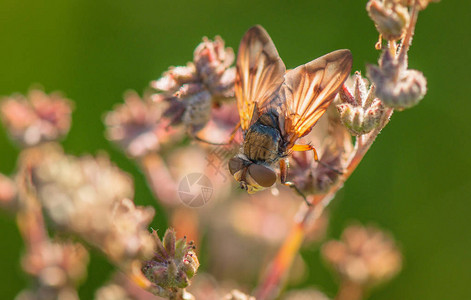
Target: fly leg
{"x":316,"y":157}
{"x":231,"y":138}
{"x":233,"y":133}
{"x":196,"y":137}
{"x":283,"y":177}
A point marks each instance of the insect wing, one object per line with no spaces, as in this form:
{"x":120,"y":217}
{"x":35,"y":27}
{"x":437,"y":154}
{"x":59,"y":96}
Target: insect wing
{"x":307,"y":92}
{"x":260,"y":73}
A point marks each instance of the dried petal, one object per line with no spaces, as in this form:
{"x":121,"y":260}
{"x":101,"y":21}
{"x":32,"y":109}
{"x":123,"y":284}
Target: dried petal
{"x":169,"y":242}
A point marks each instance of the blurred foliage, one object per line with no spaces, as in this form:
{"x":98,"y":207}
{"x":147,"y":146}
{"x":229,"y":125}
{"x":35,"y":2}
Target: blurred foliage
{"x":414,"y":181}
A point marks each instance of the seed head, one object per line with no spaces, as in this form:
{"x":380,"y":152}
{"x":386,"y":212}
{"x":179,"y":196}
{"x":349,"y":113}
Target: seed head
{"x":397,"y":86}
{"x":359,"y":110}
{"x":391,"y":19}
{"x":174,"y":262}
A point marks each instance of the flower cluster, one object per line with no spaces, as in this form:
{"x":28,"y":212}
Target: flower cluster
{"x":335,"y":146}
{"x":37,"y":118}
{"x":397,"y":86}
{"x":365,"y":256}
{"x":192,"y":90}
{"x":90,"y":197}
{"x":57,"y":268}
{"x":136,"y":126}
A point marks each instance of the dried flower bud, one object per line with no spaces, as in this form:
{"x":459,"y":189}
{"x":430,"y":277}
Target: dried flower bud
{"x":36,"y":119}
{"x":365,"y":255}
{"x":397,"y":86}
{"x":334,"y":145}
{"x":8,"y":193}
{"x":238,"y":295}
{"x":193,"y":90}
{"x":174,"y":78}
{"x":360,"y":111}
{"x":391,"y":19}
{"x":174,"y":262}
{"x":135,"y":126}
{"x":88,"y":196}
{"x":57,"y":269}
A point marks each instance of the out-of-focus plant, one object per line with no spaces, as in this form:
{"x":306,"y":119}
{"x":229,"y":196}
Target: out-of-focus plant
{"x":85,"y":198}
{"x":364,"y":258}
{"x":177,"y":133}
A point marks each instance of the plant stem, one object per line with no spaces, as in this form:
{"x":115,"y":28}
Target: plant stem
{"x":350,"y":291}
{"x":270,"y":284}
{"x":29,"y":218}
{"x":407,"y":40}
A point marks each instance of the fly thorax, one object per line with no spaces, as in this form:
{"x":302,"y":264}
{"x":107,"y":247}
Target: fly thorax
{"x":261,"y":143}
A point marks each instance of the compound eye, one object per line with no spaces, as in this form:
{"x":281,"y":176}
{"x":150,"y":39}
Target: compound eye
{"x":264,"y":176}
{"x":235,"y":164}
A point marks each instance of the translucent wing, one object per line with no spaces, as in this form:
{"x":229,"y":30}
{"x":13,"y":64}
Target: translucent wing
{"x":260,"y":73}
{"x":307,"y":92}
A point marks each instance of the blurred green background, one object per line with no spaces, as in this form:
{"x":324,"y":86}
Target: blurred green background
{"x":414,"y":182}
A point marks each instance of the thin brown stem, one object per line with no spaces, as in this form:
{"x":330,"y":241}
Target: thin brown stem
{"x":407,"y":40}
{"x":159,"y":178}
{"x":350,"y":291}
{"x":392,"y":47}
{"x":29,"y":218}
